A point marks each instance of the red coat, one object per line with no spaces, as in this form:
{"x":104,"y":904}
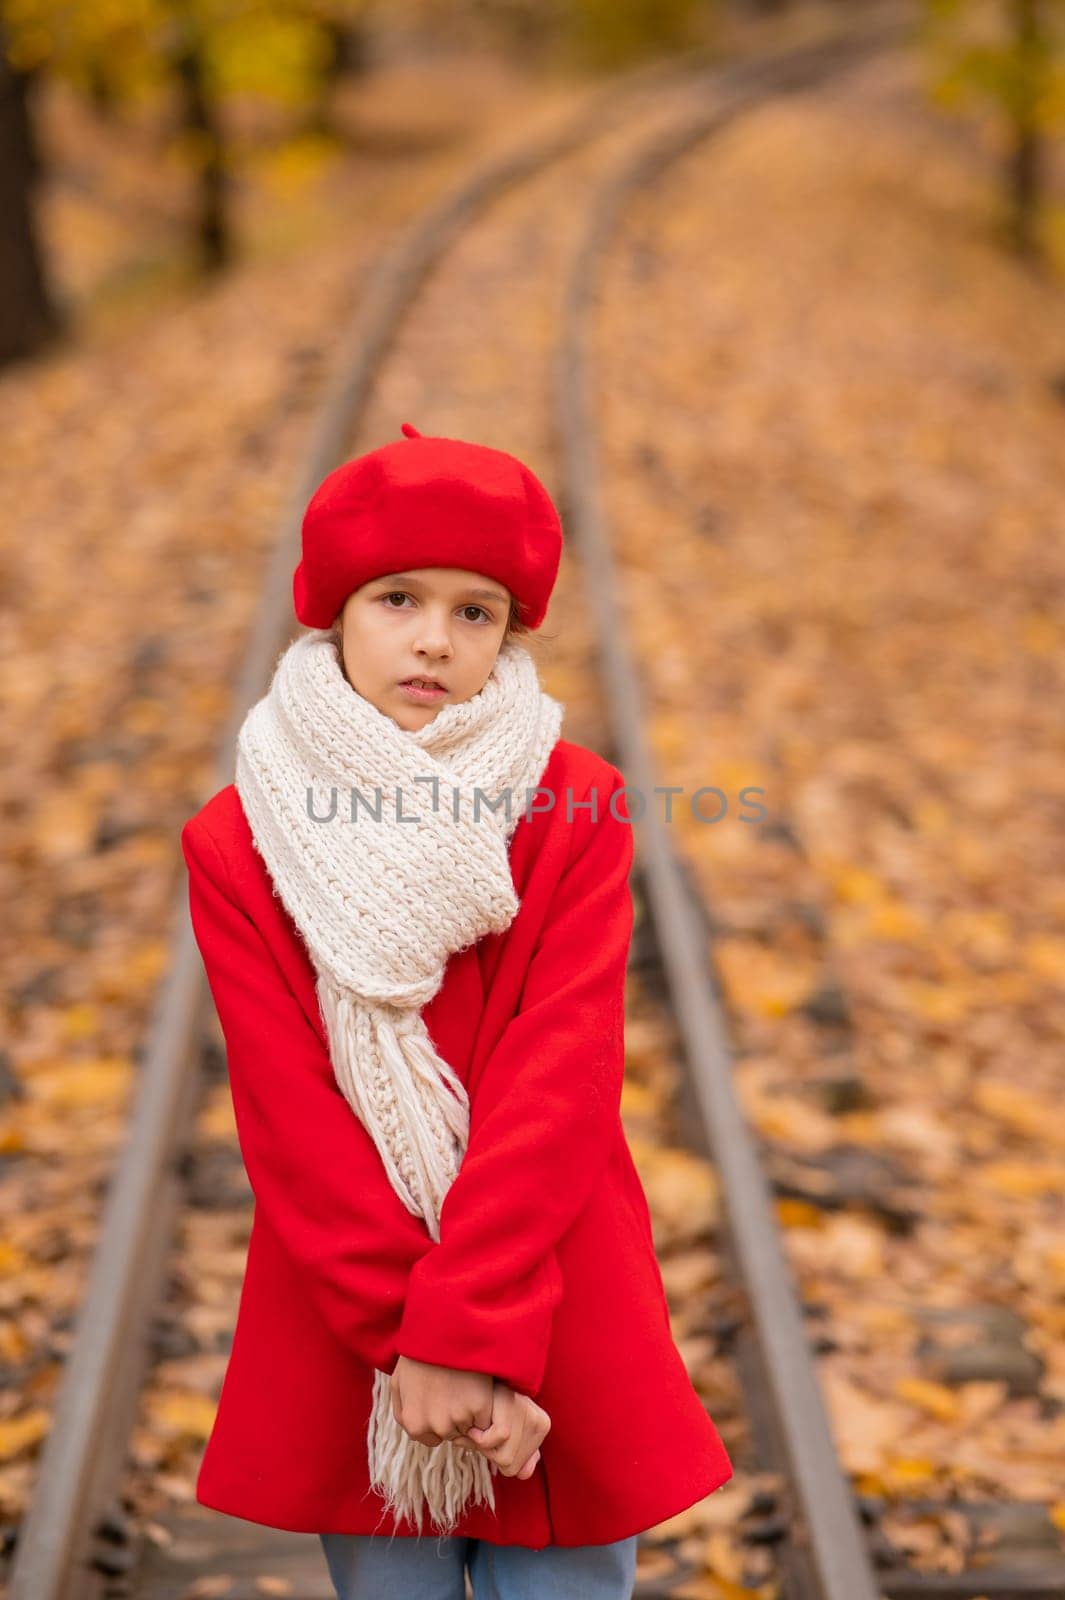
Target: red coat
{"x":545,"y":1274}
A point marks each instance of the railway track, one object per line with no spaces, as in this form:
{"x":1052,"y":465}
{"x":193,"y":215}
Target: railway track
{"x":75,"y":1542}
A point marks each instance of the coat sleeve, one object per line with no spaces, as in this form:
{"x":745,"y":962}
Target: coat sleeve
{"x":315,"y":1172}
{"x":542,"y":1120}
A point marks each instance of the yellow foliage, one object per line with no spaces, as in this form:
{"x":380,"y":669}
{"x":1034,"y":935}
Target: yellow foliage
{"x":83,"y":1083}
{"x":18,"y":1434}
{"x":147,"y":961}
{"x":896,"y":1476}
{"x":798,"y":1213}
{"x":681,"y":1189}
{"x":1054,"y":1263}
{"x":762,"y":980}
{"x":1022,"y":1179}
{"x":12,"y":1259}
{"x":1016,"y":1106}
{"x":1045,"y":955}
{"x":986,"y":933}
{"x":724,"y":1559}
{"x":182,"y":1412}
{"x":293,"y":165}
{"x":903,"y":1472}
{"x":12,"y":1136}
{"x":216,"y":1120}
{"x":14,"y":1345}
{"x":938,"y":1002}
{"x":893,"y":919}
{"x":935,"y":1398}
{"x":858,"y":886}
{"x":931,"y":816}
{"x":637,"y":1100}
{"x":79,"y":1021}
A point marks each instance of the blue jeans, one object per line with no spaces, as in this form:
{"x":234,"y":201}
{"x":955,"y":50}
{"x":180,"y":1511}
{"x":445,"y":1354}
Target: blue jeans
{"x":369,"y":1566}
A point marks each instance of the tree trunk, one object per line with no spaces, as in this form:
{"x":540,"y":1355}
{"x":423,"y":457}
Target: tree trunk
{"x":200,"y":118}
{"x":349,"y":56}
{"x":1025,"y":161}
{"x":30,"y":318}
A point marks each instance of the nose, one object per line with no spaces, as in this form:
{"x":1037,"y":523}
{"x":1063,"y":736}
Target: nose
{"x":433,"y":638}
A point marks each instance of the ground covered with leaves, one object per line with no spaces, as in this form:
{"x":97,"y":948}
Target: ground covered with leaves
{"x":837,"y":475}
{"x":832,"y":424}
{"x":145,"y":471}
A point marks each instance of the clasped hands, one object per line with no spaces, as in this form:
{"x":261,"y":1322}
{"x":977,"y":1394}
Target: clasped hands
{"x":471,"y":1410}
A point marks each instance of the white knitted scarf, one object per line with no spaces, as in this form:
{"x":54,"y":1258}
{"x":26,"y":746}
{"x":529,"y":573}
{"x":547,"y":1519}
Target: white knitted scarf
{"x":389,"y":849}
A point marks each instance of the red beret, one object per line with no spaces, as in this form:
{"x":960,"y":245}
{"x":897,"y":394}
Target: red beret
{"x":427,"y":502}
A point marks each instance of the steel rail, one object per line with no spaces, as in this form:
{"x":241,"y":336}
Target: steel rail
{"x":839,"y":1563}
{"x":83,"y":1453}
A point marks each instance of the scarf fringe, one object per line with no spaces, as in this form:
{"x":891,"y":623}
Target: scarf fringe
{"x":389,"y":1071}
{"x":413,"y":1478}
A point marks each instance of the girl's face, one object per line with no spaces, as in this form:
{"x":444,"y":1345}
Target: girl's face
{"x":433,"y":622}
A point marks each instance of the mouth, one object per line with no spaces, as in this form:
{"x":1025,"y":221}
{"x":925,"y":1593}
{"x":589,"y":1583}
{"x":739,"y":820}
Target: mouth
{"x":424,"y":689}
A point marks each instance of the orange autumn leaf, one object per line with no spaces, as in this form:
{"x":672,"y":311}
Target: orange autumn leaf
{"x":935,"y":1398}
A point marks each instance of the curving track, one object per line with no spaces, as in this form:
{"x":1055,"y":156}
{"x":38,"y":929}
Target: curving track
{"x":74,"y":1542}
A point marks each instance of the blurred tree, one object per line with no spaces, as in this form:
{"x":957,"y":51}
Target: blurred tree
{"x":187,"y":49}
{"x":30,"y":318}
{"x":1011,"y":53}
{"x":615,"y":33}
{"x":196,"y":56}
{"x":346,"y":53}
{"x":596,"y":34}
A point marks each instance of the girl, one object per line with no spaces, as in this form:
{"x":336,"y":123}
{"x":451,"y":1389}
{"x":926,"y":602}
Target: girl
{"x":414,"y":913}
